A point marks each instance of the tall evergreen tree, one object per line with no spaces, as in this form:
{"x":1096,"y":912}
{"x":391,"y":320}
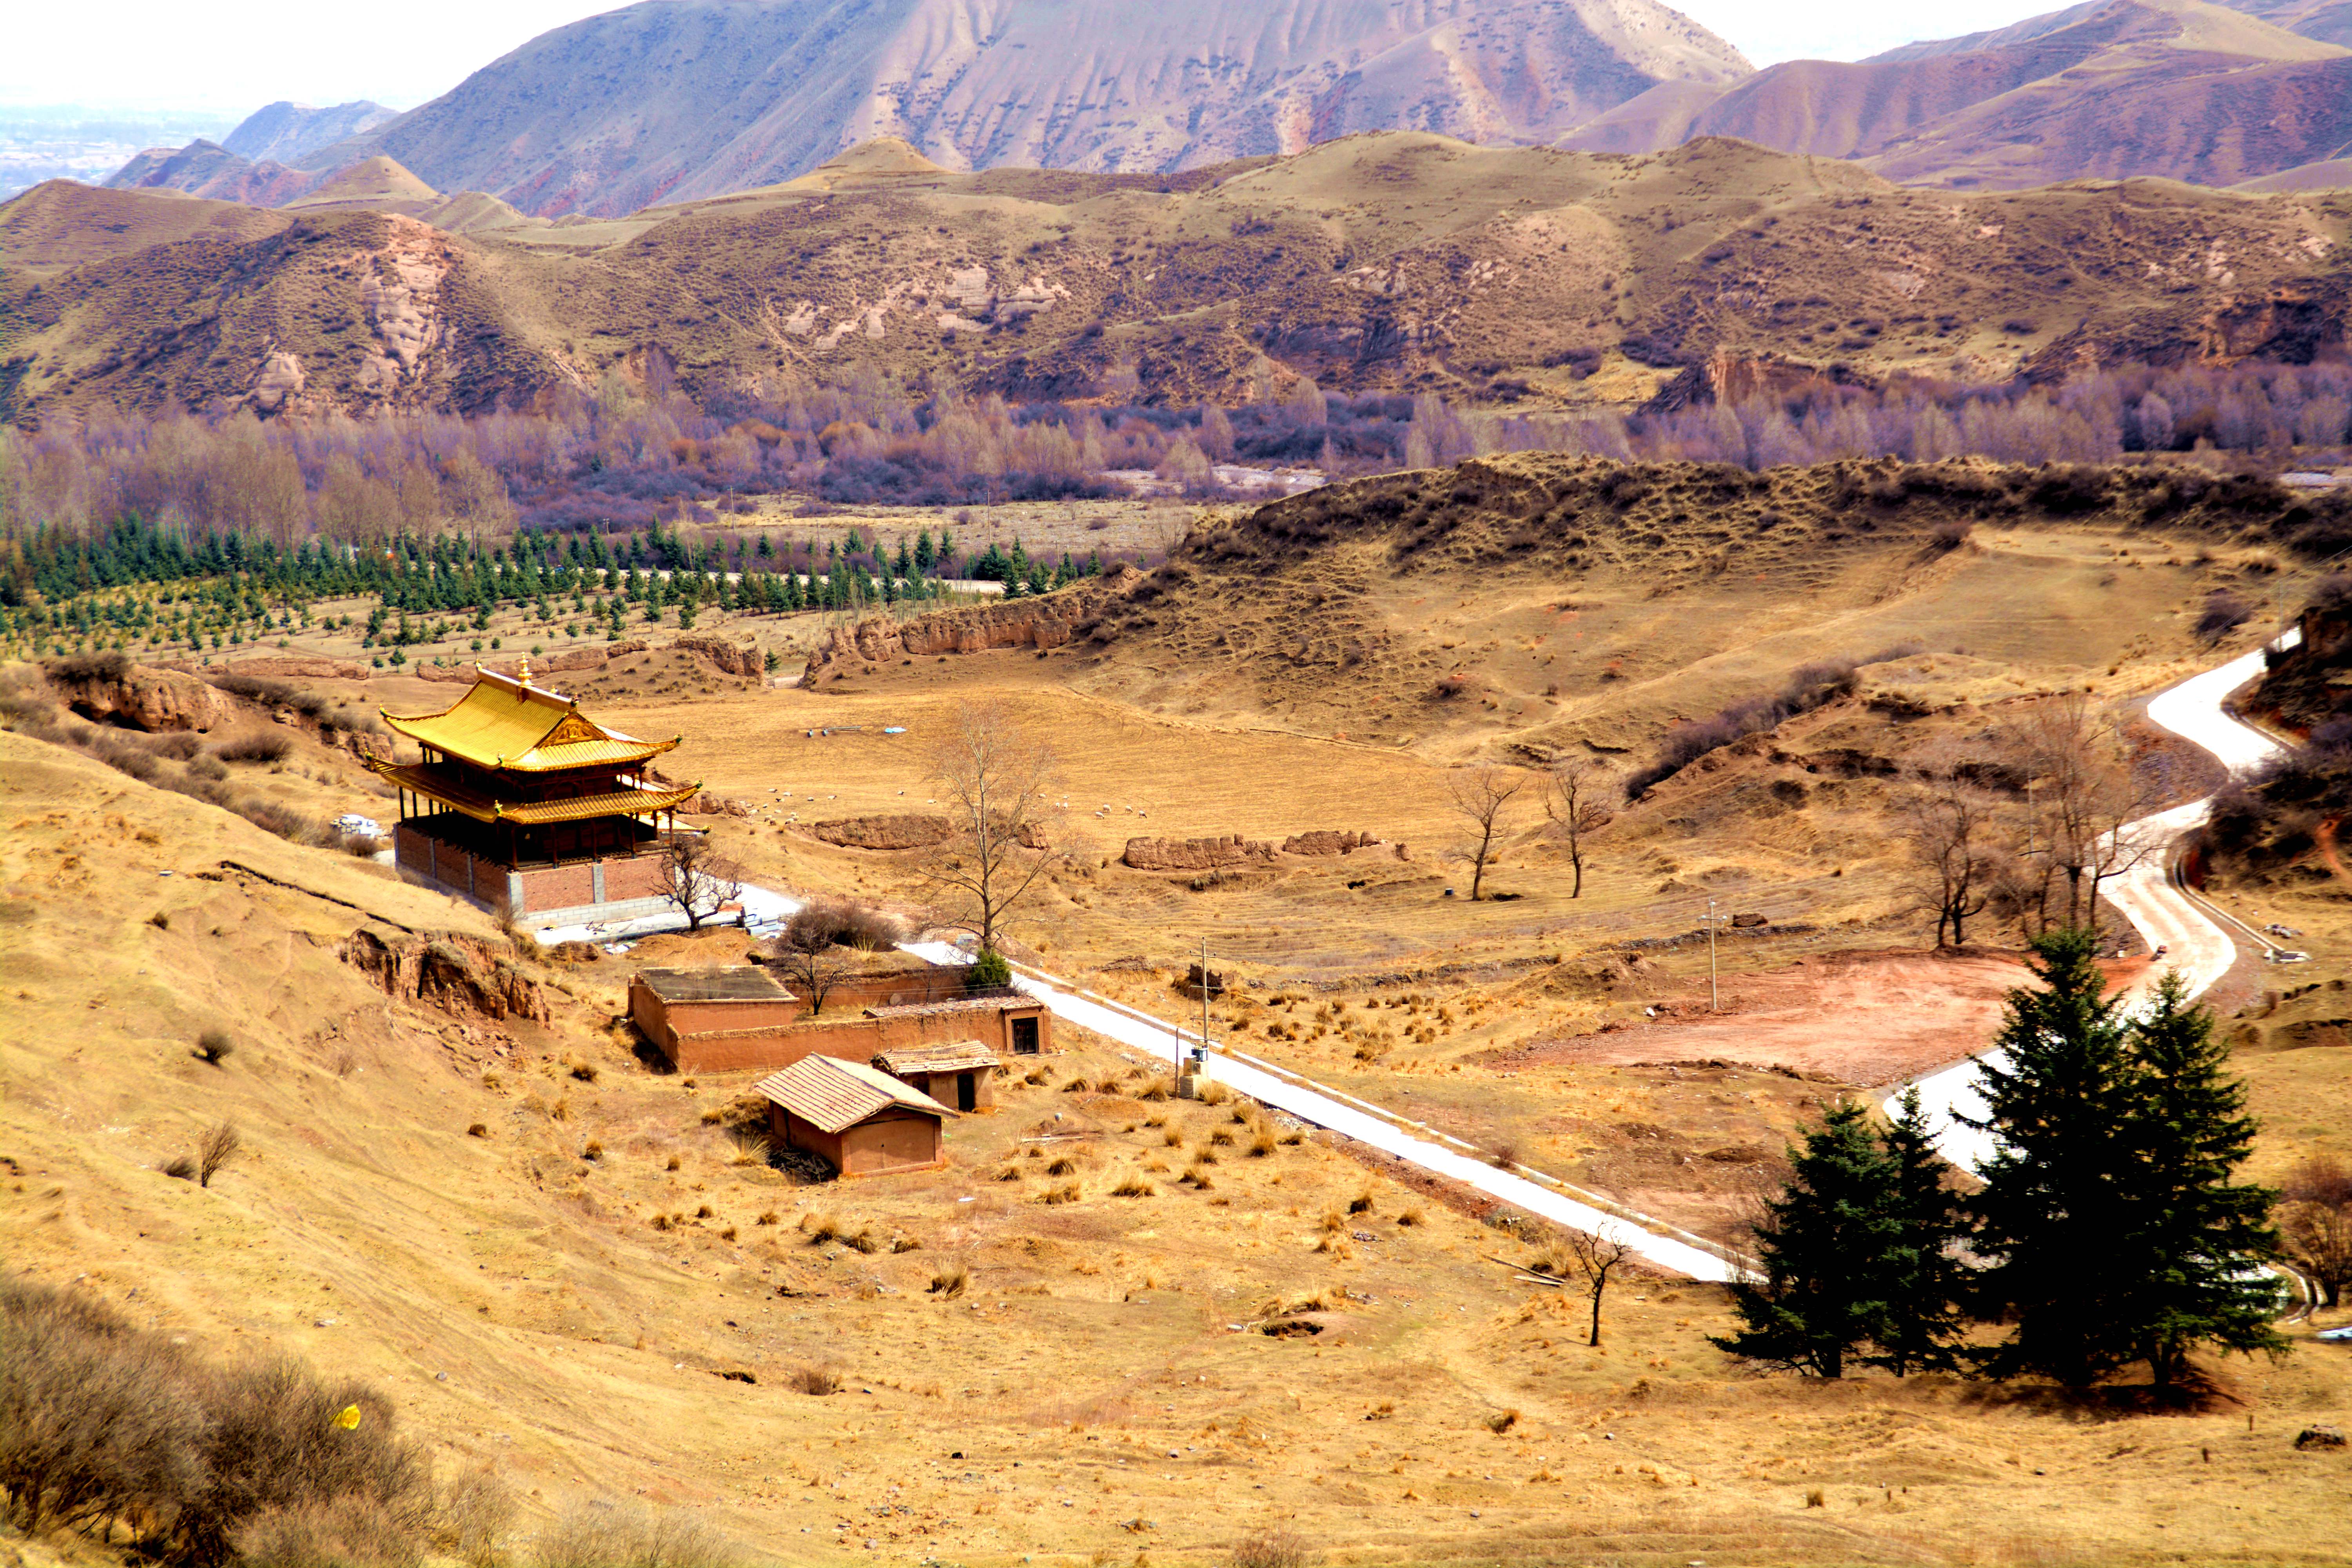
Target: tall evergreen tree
{"x":2202,"y":1237}
{"x":2055,"y":1222}
{"x":1821,"y":1241}
{"x":1923,"y":1284}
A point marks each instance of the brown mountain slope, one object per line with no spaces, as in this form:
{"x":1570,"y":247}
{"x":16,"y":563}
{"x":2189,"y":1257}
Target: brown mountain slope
{"x":2169,"y":87}
{"x":206,"y":168}
{"x":1528,"y":604}
{"x":1394,"y":262}
{"x":683,"y":101}
{"x":61,"y":224}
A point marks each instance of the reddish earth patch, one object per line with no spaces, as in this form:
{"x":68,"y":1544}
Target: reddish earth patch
{"x":1860,"y":1019}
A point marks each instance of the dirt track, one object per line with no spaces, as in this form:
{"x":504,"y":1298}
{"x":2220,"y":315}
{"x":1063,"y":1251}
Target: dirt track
{"x":1923,"y":1010}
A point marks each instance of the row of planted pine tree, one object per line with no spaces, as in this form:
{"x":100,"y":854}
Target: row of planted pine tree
{"x":2110,"y":1229}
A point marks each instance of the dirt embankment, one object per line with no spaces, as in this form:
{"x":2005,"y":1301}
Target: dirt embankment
{"x":454,"y":972}
{"x":1052,"y":620}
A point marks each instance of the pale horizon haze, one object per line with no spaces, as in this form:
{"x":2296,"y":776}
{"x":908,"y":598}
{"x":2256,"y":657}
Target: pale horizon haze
{"x":134,"y":55}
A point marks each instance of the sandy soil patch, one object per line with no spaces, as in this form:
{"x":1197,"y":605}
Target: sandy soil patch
{"x":1924,"y":1009}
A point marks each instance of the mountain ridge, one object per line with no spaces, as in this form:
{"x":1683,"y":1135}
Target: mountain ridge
{"x":682,"y":99}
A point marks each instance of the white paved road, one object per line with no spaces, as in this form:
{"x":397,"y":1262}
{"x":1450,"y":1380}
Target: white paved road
{"x":2160,"y":912}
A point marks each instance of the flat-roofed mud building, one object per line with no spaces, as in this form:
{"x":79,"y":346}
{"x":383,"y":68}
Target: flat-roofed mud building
{"x":522,"y":804}
{"x":859,"y":1118}
{"x":742,"y":1018}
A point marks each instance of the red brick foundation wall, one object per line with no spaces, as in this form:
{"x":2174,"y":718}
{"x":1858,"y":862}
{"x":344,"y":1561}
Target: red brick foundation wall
{"x":561,"y":886}
{"x":635,"y":876}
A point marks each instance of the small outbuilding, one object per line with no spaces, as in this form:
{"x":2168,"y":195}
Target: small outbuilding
{"x":961,"y":1073}
{"x":859,"y":1118}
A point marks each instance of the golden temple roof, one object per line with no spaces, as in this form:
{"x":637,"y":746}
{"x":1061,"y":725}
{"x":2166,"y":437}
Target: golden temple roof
{"x":625,"y":802}
{"x":506,"y":722}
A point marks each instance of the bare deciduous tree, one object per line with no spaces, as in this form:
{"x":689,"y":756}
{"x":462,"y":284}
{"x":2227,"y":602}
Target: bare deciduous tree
{"x":1574,"y":788}
{"x":214,"y":1149}
{"x":2082,"y":798}
{"x":1953,"y":831}
{"x":1480,"y":797}
{"x":2316,"y":1223}
{"x":808,"y":958}
{"x":999,"y":780}
{"x":701,"y":877}
{"x":1597,"y":1254}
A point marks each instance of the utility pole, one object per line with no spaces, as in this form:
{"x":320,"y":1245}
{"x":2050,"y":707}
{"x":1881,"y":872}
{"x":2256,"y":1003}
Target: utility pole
{"x":1204,"y":995}
{"x":1714,"y":995}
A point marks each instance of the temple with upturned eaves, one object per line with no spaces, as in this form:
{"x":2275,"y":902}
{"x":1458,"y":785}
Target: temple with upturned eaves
{"x":523,"y":805}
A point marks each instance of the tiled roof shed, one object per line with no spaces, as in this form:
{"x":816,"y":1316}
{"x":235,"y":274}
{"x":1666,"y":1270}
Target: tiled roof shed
{"x":831,"y":1095}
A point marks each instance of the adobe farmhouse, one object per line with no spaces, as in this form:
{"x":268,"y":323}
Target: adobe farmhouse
{"x":742,"y":1017}
{"x":524,"y":805}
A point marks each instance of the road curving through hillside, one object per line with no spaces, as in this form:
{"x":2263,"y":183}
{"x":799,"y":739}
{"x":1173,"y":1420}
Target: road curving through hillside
{"x":2165,"y":916}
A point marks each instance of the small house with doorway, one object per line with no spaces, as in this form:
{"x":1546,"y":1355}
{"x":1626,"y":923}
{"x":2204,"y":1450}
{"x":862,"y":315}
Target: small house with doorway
{"x":961,"y":1073}
{"x":859,"y":1118}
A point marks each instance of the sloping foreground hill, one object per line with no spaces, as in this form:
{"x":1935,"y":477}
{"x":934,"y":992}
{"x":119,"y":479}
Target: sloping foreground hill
{"x":2170,"y":88}
{"x":1396,"y":262}
{"x":1531,"y":605}
{"x":678,"y":101}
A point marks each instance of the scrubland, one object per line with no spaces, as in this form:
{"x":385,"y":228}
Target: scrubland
{"x":1056,"y":1349}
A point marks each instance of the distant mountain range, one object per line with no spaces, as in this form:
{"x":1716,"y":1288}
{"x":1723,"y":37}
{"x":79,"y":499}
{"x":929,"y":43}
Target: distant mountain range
{"x":2112,"y":89}
{"x":673,"y":101}
{"x":677,"y":99}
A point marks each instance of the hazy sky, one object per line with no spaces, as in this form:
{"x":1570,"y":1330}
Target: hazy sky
{"x":150,"y":54}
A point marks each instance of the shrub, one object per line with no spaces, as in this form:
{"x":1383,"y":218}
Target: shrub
{"x":950,"y":1282}
{"x":989,"y":968}
{"x":1502,"y":1421}
{"x":1134,"y":1187}
{"x":1068,"y":1192}
{"x":843,"y":922}
{"x":1062,"y":1166}
{"x":213,"y":1045}
{"x":750,"y":1147}
{"x":2223,"y":613}
{"x":102,"y":1423}
{"x":600,"y":1534}
{"x":811,"y":1378}
{"x":207,"y":768}
{"x":475,"y":1511}
{"x":214,"y":1149}
{"x":179,"y":1167}
{"x":1269,"y":1549}
{"x":255,"y":746}
{"x":477,"y":1129}
{"x":74,"y":668}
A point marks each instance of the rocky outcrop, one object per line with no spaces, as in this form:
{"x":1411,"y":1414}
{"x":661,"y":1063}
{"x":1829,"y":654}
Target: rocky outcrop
{"x":726,"y":656}
{"x":708,"y":805}
{"x":298,"y":667}
{"x":553,"y":664}
{"x":1194,"y":854}
{"x":1052,"y":620}
{"x":1324,"y":841}
{"x":913,"y":830}
{"x":455,"y":973}
{"x":138,"y":698}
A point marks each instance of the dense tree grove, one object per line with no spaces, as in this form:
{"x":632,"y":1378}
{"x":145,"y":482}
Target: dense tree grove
{"x":629,"y":457}
{"x":2110,"y":1231}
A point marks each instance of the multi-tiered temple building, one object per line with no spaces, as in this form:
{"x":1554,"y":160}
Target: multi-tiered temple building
{"x":524,"y":805}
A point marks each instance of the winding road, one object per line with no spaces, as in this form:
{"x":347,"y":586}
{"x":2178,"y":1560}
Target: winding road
{"x":2146,"y":894}
{"x":2162,"y":913}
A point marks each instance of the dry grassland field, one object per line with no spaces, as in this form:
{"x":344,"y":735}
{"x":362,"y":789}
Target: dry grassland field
{"x":1124,"y":1328}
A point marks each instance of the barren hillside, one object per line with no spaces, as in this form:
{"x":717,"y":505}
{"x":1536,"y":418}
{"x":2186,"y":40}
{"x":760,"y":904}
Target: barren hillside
{"x":682,"y":101}
{"x":1394,"y":262}
{"x":2174,"y":90}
